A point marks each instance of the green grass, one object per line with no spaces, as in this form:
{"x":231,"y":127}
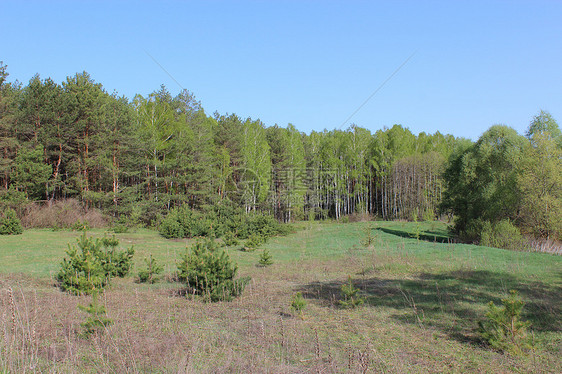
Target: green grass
{"x":424,"y":296}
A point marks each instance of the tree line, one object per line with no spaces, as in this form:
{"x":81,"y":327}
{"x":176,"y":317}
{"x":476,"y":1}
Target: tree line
{"x":142,"y":157}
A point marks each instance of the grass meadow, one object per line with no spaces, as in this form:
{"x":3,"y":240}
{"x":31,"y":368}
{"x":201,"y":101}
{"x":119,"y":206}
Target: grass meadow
{"x":424,"y":295}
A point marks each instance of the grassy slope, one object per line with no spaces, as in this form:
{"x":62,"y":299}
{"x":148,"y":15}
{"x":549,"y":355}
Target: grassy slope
{"x":423,"y":301}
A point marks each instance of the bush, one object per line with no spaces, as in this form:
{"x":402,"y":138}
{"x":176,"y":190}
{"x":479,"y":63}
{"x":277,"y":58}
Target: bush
{"x":14,"y":199}
{"x":265,"y":258}
{"x":209,"y":272}
{"x":501,"y":235}
{"x":349,"y":294}
{"x":10,"y":223}
{"x":230,"y":239}
{"x":503,"y":328}
{"x":220,"y":220}
{"x":170,"y":227}
{"x":97,"y":317}
{"x":91,"y":265}
{"x":255,"y":240}
{"x":298,"y":303}
{"x":149,"y":275}
{"x":63,"y":214}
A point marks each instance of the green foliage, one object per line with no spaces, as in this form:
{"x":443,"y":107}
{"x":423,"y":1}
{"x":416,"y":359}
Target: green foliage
{"x":369,"y":236}
{"x":80,"y":225}
{"x":91,"y":264}
{"x":209,"y":272}
{"x":265,"y":259}
{"x":255,"y":240}
{"x":298,"y":303}
{"x":10,"y":223}
{"x":501,"y":235}
{"x":544,"y":124}
{"x":540,"y":180}
{"x":31,"y":173}
{"x":428,"y":215}
{"x":482,"y":181}
{"x":230,"y":239}
{"x":350,"y":299}
{"x":220,"y":221}
{"x":13,"y":199}
{"x":97,"y":319}
{"x":150,"y":274}
{"x":503,"y":328}
{"x":119,"y":228}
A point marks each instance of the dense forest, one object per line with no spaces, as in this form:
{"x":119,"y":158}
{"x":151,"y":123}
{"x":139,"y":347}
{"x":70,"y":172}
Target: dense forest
{"x":140,"y":158}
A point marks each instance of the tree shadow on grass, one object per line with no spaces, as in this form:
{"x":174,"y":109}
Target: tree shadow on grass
{"x":452,"y":302}
{"x":428,"y":236}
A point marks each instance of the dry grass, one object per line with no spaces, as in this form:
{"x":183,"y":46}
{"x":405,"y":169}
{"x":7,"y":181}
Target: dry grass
{"x":62,"y":214}
{"x":412,"y":320}
{"x":545,"y":245}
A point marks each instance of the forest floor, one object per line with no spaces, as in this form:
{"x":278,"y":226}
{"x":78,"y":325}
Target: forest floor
{"x":424,"y":295}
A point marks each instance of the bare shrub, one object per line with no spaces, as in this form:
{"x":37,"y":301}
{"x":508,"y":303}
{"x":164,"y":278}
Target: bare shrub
{"x":360,"y":217}
{"x":545,"y":245}
{"x":62,"y":214}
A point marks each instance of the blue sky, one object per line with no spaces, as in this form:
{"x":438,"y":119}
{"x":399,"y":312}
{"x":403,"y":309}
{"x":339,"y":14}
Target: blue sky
{"x":309,"y":63}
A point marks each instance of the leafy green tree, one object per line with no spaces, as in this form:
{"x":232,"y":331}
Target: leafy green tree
{"x":255,"y":175}
{"x":156,"y":127}
{"x":540,"y":181}
{"x":482,"y":182}
{"x":544,"y":123}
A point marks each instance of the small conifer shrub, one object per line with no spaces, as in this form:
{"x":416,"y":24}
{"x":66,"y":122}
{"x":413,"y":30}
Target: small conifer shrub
{"x":298,"y":303}
{"x":350,"y":299}
{"x":503,"y":328}
{"x":91,"y":264}
{"x":10,"y":223}
{"x":150,"y":274}
{"x":265,"y":258}
{"x":97,"y":319}
{"x":210,"y":272}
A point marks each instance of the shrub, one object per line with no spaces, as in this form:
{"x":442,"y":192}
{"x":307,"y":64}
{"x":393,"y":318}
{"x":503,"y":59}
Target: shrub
{"x":298,"y":303}
{"x":349,"y":294}
{"x":91,"y":264}
{"x":120,"y":228}
{"x":265,"y":258}
{"x":80,"y":226}
{"x":501,"y":235}
{"x":369,"y":237}
{"x":230,"y":239}
{"x":10,"y":223}
{"x":210,"y":272}
{"x":503,"y":328}
{"x":170,"y":227}
{"x":14,"y":199}
{"x":97,"y":317}
{"x":260,"y":224}
{"x":219,"y":220}
{"x":150,"y":274}
{"x":63,"y":214}
{"x":255,"y":240}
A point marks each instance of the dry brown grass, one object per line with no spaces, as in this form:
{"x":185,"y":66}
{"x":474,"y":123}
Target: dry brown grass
{"x":413,"y":320}
{"x":62,"y":214}
{"x":160,"y":329}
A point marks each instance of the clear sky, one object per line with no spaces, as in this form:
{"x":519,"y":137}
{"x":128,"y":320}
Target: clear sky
{"x":309,"y":63}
